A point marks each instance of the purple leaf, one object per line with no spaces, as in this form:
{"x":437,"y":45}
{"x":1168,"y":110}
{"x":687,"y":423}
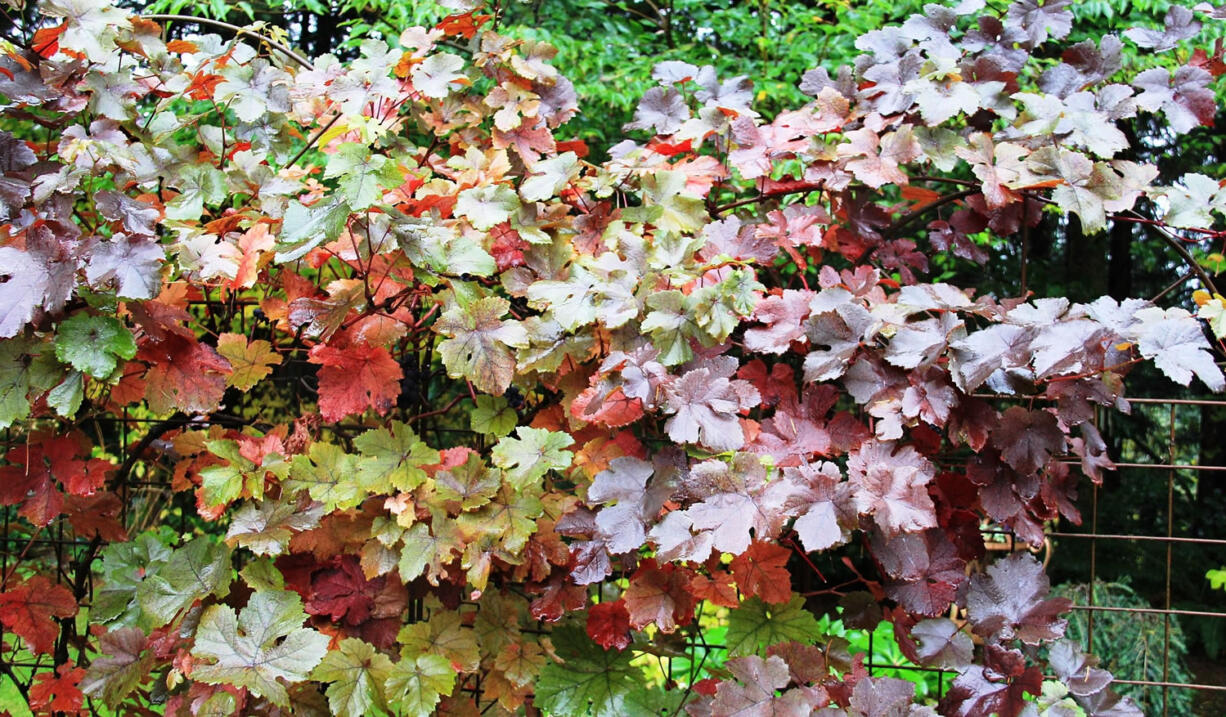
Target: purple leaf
{"x":1010,"y":602}
{"x":924,"y":568}
{"x":890,"y":485}
{"x":660,"y":109}
{"x":705,"y":404}
{"x":1178,"y":25}
{"x":1027,"y":439}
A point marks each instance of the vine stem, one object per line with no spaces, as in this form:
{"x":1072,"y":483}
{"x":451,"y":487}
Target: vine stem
{"x":236,"y":29}
{"x":311,"y":142}
{"x":1179,"y":248}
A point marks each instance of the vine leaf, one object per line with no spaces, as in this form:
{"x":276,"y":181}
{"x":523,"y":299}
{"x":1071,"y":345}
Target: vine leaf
{"x":127,"y":663}
{"x":659,"y":595}
{"x":28,"y":611}
{"x":356,"y":672}
{"x":479,"y":343}
{"x":1010,"y":601}
{"x":251,"y":362}
{"x":392,"y":459}
{"x":531,"y":454}
{"x":754,"y":691}
{"x":93,"y":344}
{"x":1178,"y":25}
{"x":588,"y":678}
{"x":762,"y":571}
{"x":415,"y":685}
{"x":608,"y":624}
{"x":1028,"y":439}
{"x":258,"y":647}
{"x":942,"y":644}
{"x":23,"y":282}
{"x":58,"y":691}
{"x":354,"y":378}
{"x":890,"y":484}
{"x":756,"y":625}
{"x":196,"y":570}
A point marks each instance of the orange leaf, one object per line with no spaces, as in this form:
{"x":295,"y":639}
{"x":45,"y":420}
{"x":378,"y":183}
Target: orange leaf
{"x":921,"y":196}
{"x":762,"y":571}
{"x":47,"y":40}
{"x":57,"y":692}
{"x":181,"y":46}
{"x":465,"y":25}
{"x":355,"y":378}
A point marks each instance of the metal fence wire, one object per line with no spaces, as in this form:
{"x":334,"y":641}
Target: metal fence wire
{"x":1135,"y":567}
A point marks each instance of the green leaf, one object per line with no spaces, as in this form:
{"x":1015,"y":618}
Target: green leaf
{"x":532,"y":454}
{"x":93,"y":344}
{"x":670,"y":324}
{"x":124,"y":566}
{"x":429,"y":243}
{"x":266,"y":528}
{"x":328,"y":476}
{"x":304,"y":228}
{"x":589,"y":678}
{"x":261,"y":574}
{"x":26,"y":365}
{"x":416,"y":685}
{"x":510,"y":517}
{"x":363,"y":176}
{"x":548,"y":177}
{"x":471,"y":484}
{"x":357,"y":672}
{"x":392,"y":459}
{"x":199,"y":184}
{"x":221,"y":484}
{"x":126,"y":664}
{"x":258,"y":647}
{"x":756,"y":624}
{"x":198,"y":569}
{"x":443,"y":634}
{"x":66,"y":398}
{"x":493,"y":416}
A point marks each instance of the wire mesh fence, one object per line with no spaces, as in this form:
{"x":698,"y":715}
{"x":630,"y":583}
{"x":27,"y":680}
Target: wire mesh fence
{"x":1135,"y":568}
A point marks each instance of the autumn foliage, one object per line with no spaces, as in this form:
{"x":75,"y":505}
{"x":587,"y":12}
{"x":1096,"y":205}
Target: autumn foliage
{"x":361,"y":389}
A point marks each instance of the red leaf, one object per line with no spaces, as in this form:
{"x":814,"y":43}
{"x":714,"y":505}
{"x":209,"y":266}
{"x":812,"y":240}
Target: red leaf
{"x":34,"y":467}
{"x":354,"y":378}
{"x":340,"y":593}
{"x":614,"y":409}
{"x":181,"y":46}
{"x":183,"y":374}
{"x":57,"y":691}
{"x":608,"y":624}
{"x":717,"y":589}
{"x":659,"y":595}
{"x":762,"y":571}
{"x":559,"y":595}
{"x":95,"y":515}
{"x":203,"y":84}
{"x":28,"y":610}
{"x":1026,"y":439}
{"x":998,"y":687}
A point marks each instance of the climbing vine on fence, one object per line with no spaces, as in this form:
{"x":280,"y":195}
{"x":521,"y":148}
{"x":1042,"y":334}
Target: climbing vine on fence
{"x":361,"y":390}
